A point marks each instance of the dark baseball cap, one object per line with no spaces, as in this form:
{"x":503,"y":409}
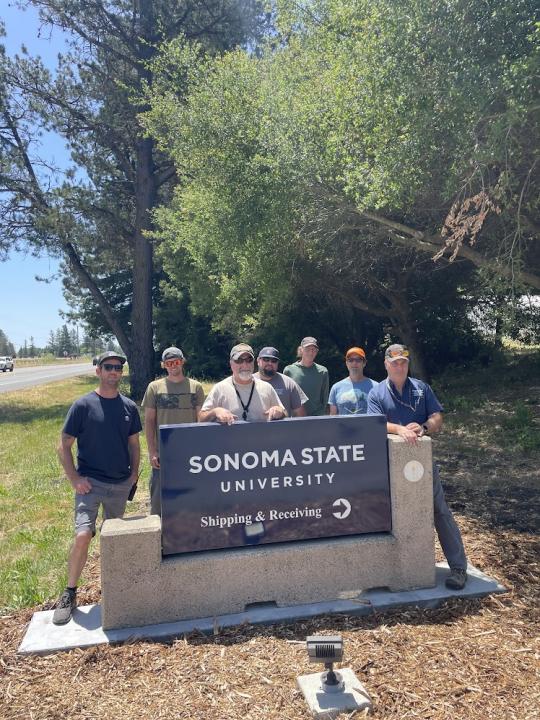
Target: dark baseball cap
{"x":270,"y":352}
{"x":309,"y":341}
{"x":108,"y":355}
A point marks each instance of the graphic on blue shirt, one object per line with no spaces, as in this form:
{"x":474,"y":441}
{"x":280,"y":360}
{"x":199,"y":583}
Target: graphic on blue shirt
{"x":350,"y":397}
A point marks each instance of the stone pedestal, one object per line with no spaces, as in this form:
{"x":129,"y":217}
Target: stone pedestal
{"x":141,"y":588}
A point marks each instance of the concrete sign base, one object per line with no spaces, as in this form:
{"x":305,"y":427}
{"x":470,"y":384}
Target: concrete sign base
{"x":140,"y":587}
{"x":85,"y":628}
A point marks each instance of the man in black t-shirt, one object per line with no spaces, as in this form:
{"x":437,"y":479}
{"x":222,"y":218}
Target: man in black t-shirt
{"x":106,"y":426}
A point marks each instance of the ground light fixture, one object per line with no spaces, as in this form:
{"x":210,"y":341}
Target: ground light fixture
{"x":330,"y":693}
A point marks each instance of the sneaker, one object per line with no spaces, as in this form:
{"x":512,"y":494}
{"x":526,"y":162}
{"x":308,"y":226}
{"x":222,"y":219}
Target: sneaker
{"x":457,"y":579}
{"x":65,"y":607}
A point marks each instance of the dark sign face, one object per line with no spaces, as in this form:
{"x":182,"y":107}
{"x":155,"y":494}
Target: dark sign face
{"x":255,"y":483}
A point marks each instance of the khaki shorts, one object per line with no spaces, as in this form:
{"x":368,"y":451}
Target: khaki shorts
{"x":113,"y":497}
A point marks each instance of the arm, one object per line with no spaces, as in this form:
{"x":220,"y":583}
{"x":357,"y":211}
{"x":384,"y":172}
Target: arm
{"x":218,"y":414}
{"x":81,"y":485}
{"x":411,"y":432}
{"x":325,"y":390}
{"x":432,"y":425}
{"x":276,"y":412}
{"x":333,"y":410}
{"x":134,"y":450}
{"x":150,"y":430}
{"x":298,"y":400}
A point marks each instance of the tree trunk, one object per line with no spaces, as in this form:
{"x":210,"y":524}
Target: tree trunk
{"x":404,"y":327}
{"x":141,"y":352}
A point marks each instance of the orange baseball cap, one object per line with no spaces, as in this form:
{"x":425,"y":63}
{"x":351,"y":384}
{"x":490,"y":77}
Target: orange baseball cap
{"x":355,"y":351}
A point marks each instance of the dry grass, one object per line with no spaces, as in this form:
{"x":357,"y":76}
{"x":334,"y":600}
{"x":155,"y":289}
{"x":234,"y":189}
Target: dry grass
{"x":468,"y":660}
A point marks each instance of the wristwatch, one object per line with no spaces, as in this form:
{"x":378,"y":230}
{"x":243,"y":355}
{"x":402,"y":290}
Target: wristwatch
{"x":425,"y":429}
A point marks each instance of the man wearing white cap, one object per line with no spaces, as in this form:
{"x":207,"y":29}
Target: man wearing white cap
{"x":171,"y":400}
{"x":241,"y":396}
{"x":412,"y":410}
{"x":312,"y":378}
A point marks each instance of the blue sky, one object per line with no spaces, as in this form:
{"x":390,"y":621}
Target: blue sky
{"x":29,"y":307}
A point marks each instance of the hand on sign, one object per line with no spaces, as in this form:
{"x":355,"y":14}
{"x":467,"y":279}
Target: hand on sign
{"x":275,"y":413}
{"x":408,"y":434}
{"x":223,"y":416}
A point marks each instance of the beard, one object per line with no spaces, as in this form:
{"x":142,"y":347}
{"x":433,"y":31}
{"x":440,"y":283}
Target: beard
{"x":267,"y":372}
{"x":245,"y":374}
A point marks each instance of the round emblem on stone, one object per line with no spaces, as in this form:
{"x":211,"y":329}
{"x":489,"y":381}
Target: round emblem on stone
{"x":413,"y":471}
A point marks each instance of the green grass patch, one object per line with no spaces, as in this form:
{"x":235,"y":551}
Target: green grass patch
{"x":36,"y":501}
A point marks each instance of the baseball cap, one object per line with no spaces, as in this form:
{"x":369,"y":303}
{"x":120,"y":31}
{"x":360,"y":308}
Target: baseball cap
{"x":241,"y":349}
{"x":270,"y":352}
{"x":172,"y":352}
{"x":396,"y":352}
{"x":110,"y":354}
{"x":355,"y":351}
{"x":309,"y":341}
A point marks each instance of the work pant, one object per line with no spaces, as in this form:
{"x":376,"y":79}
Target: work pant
{"x":446,"y":527}
{"x":155,"y":493}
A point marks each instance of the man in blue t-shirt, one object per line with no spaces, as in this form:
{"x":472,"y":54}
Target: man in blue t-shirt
{"x":412,"y":411}
{"x":349,"y":396}
{"x":106,"y":426}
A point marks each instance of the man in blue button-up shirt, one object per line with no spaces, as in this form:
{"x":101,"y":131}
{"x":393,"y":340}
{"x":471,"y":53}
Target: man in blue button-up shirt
{"x":412,"y":410}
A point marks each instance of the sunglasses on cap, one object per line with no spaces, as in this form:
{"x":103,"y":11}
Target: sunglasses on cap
{"x":109,"y":367}
{"x":397,"y":353}
{"x":172,"y":363}
{"x":243,"y":360}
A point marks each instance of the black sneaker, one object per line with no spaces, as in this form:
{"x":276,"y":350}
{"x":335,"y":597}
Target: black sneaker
{"x":65,"y":607}
{"x":457,"y":579}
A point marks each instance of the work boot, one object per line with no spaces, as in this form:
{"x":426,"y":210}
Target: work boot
{"x":457,"y":579}
{"x":65,"y":607}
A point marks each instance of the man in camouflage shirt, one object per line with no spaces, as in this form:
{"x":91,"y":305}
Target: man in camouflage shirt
{"x":171,"y":400}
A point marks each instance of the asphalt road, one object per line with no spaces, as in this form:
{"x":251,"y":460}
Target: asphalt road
{"x":22,"y":378}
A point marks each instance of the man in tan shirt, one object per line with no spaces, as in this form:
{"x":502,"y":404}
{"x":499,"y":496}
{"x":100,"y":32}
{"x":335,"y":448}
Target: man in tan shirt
{"x":171,"y":400}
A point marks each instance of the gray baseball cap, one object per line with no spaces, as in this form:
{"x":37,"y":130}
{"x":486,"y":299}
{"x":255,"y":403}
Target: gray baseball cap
{"x":108,"y":354}
{"x":172,"y":352}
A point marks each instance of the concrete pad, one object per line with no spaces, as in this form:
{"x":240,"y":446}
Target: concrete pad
{"x":325,"y":706}
{"x":85,"y":628}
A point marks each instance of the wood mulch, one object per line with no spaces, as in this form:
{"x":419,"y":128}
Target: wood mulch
{"x":467,"y":660}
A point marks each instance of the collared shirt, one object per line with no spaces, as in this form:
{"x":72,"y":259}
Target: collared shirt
{"x":416,"y":402}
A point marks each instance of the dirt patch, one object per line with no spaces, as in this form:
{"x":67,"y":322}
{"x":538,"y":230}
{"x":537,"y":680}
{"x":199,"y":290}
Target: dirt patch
{"x":468,"y":659}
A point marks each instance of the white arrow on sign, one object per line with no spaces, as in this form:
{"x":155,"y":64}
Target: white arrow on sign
{"x":341,"y":514}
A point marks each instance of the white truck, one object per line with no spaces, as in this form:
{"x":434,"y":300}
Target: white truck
{"x":6,"y":363}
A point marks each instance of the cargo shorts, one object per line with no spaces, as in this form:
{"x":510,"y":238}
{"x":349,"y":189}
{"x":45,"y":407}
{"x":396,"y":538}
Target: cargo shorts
{"x":113,"y":497}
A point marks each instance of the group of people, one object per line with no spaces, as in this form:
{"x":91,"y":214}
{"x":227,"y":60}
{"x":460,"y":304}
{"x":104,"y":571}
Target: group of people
{"x":106,"y":425}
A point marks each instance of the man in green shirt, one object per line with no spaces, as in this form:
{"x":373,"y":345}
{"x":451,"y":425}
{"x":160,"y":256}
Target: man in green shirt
{"x":172,"y":400}
{"x":312,"y":378}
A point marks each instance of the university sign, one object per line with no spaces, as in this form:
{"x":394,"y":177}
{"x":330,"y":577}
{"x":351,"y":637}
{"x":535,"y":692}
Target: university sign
{"x":258,"y":483}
